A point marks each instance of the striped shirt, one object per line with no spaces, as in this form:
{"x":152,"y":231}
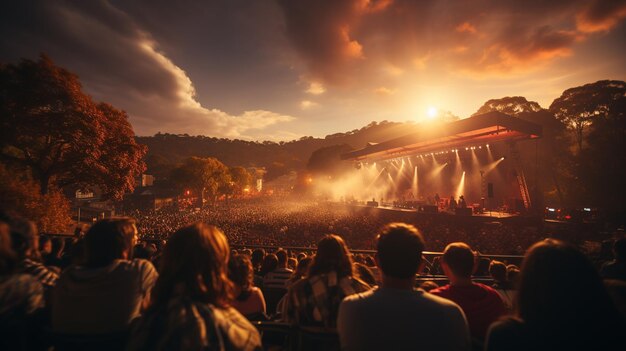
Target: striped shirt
{"x":45,"y":276}
{"x":277,"y":278}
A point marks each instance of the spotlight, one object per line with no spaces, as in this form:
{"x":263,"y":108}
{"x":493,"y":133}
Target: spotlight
{"x":467,"y":148}
{"x":502,"y":158}
{"x":487,"y":145}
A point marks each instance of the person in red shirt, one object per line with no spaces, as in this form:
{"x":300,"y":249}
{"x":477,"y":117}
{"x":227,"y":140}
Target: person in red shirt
{"x":481,"y":304}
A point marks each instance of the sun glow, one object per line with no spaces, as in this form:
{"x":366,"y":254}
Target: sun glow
{"x":432,"y":112}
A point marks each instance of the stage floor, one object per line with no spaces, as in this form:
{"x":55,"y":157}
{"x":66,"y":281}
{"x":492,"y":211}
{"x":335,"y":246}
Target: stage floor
{"x":494,"y":214}
{"x":400,"y":213}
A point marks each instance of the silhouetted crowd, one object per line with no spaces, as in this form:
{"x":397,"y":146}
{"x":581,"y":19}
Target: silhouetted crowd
{"x":303,"y":223}
{"x":110,"y":288}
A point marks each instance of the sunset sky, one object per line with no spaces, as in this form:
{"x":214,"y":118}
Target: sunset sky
{"x":279,"y":70}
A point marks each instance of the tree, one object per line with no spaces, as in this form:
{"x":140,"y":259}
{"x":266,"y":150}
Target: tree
{"x":241,"y":178}
{"x":120,"y":156}
{"x":21,"y":196}
{"x":56,"y":133}
{"x":578,"y":107}
{"x":600,"y":166}
{"x":510,"y":105}
{"x":204,"y":175}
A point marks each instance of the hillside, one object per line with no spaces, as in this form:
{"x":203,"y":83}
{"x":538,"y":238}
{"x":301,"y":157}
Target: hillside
{"x":166,"y":150}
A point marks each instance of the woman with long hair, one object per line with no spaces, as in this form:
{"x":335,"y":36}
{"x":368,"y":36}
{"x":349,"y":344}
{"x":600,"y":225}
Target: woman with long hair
{"x":314,"y":300}
{"x":190,"y":307}
{"x":248,"y":299}
{"x":561,"y":304}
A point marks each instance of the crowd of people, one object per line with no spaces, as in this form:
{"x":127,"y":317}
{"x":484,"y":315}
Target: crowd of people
{"x":288,"y":222}
{"x":173,"y":280}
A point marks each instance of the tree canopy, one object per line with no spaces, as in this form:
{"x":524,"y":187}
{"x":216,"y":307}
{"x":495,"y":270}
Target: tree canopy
{"x":510,"y":105}
{"x":55,"y":132}
{"x":241,"y":178}
{"x":206,"y":176}
{"x":578,"y":107}
{"x":21,"y":196}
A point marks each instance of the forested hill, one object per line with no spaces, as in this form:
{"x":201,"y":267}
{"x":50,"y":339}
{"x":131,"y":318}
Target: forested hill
{"x":166,"y":150}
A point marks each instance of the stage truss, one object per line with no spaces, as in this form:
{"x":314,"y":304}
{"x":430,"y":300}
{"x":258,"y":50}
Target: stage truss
{"x":488,"y":128}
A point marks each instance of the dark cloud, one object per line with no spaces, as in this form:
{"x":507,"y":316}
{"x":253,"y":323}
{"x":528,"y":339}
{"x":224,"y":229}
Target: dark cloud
{"x":601,"y":15}
{"x":119,"y":60}
{"x":321,"y":32}
{"x":485,"y":36}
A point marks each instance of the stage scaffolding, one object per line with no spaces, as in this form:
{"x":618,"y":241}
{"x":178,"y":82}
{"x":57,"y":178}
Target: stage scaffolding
{"x":489,"y":128}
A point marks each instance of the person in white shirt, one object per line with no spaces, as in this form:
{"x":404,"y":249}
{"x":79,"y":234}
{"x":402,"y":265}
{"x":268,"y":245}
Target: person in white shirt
{"x":396,"y":315}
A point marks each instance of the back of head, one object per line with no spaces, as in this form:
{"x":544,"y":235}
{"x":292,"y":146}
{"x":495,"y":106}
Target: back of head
{"x":619,"y":250}
{"x":108,"y":240}
{"x":561,"y":296}
{"x":257,"y":257}
{"x":459,"y":257}
{"x":240,"y":271}
{"x":497,"y":270}
{"x":303,"y":267}
{"x":399,"y":250}
{"x":270,"y":263}
{"x":512,"y":273}
{"x":195,"y":264}
{"x":24,"y":237}
{"x":332,"y":256}
{"x":282,"y":257}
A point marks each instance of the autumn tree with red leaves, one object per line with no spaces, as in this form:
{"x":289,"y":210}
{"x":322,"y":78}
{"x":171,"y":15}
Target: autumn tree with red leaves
{"x":55,"y":133}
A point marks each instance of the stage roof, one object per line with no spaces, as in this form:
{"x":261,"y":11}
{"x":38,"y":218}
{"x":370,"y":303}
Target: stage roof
{"x":488,"y":128}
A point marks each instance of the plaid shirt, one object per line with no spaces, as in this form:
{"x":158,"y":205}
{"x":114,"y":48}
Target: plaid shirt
{"x":189,"y":325}
{"x":46,"y":277}
{"x":20,"y":295}
{"x":315,"y":301}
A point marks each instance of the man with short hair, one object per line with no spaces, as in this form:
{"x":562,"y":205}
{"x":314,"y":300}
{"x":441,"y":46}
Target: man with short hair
{"x":106,"y":293}
{"x":278,"y":277}
{"x":481,"y":304}
{"x":505,"y":288}
{"x":396,"y":315}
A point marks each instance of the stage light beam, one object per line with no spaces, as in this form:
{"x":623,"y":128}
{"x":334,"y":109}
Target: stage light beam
{"x":490,"y":167}
{"x":461,"y":187}
{"x":414,"y":184}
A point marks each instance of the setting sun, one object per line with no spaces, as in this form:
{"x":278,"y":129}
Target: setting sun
{"x":432,"y":112}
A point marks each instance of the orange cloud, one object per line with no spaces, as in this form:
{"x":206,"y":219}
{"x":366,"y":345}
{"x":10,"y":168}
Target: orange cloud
{"x":352,"y":39}
{"x":601,"y":16}
{"x":465,"y":27}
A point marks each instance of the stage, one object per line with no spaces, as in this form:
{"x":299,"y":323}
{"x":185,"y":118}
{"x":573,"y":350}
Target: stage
{"x":408,"y":214}
{"x":467,"y":165}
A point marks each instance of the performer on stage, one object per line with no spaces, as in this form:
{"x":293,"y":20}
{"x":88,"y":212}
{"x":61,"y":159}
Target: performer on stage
{"x":452,"y":205}
{"x":462,"y":203}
